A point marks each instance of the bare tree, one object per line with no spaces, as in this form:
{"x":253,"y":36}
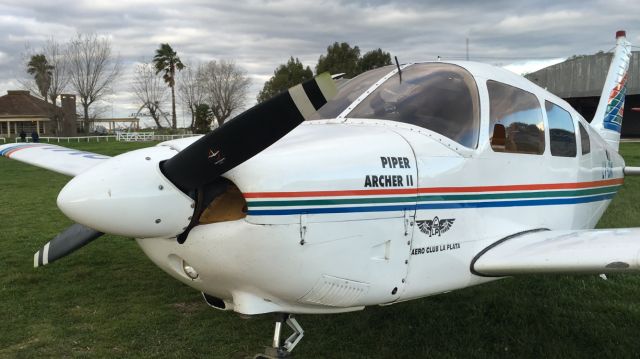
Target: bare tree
{"x":92,"y":69}
{"x":150,"y":91}
{"x":55,"y":53}
{"x":191,"y":90}
{"x":225,"y":86}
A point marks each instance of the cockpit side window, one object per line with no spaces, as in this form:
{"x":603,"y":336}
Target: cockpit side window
{"x":437,"y":96}
{"x":562,"y":133}
{"x":516,"y":123}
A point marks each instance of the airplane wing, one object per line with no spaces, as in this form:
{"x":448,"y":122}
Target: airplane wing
{"x":59,"y":159}
{"x":570,"y":251}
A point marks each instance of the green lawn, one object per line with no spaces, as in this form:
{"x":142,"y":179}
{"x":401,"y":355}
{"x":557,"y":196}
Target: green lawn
{"x":109,"y":300}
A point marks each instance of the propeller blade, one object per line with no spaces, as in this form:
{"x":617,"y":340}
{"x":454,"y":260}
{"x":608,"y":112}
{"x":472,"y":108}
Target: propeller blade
{"x":247,"y":134}
{"x":65,"y":243}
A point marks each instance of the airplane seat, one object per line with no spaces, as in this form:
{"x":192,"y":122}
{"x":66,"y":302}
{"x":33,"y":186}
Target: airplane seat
{"x":498,"y":140}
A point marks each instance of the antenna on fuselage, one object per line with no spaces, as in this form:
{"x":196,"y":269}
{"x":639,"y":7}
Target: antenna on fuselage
{"x":399,"y":70}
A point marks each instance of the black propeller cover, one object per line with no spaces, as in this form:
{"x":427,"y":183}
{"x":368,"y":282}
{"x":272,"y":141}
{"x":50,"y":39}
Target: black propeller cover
{"x":246,"y":135}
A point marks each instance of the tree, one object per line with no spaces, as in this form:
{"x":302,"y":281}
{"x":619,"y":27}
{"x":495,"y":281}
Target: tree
{"x":92,"y":69}
{"x":225,"y":87}
{"x":55,"y":53}
{"x":168,"y":61}
{"x":191,"y":91}
{"x":55,"y":56}
{"x":40,"y":68}
{"x":284,"y":77}
{"x":340,"y":58}
{"x":150,"y":91}
{"x":203,"y":118}
{"x":374,"y":59}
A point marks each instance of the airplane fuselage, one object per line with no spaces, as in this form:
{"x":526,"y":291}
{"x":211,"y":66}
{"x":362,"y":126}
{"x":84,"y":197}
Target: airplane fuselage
{"x":352,"y":211}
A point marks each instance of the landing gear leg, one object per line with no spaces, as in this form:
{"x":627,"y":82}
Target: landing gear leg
{"x":279,"y":349}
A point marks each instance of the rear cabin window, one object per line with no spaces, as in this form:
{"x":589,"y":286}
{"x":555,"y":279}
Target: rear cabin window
{"x":516,"y":122}
{"x":562,"y":133}
{"x":440,"y":97}
{"x":584,"y":139}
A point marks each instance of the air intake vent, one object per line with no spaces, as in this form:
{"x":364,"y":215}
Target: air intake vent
{"x":336,"y":292}
{"x":214,"y":301}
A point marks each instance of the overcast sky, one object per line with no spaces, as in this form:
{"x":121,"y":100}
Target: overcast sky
{"x":260,"y":35}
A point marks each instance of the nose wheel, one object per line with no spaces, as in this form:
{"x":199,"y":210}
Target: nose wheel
{"x":281,"y":349}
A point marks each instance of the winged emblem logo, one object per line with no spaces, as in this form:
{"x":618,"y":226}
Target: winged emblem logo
{"x":435,"y":226}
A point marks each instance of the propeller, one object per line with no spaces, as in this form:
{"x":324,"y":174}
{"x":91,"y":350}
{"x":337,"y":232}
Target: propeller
{"x":247,"y":134}
{"x":67,"y":242}
{"x":202,"y":162}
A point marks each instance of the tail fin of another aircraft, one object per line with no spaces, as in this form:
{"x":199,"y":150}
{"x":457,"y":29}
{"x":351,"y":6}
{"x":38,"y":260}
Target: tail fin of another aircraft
{"x":608,"y":118}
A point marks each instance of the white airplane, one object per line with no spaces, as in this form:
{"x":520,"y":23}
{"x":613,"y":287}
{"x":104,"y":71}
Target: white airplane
{"x":411,"y":180}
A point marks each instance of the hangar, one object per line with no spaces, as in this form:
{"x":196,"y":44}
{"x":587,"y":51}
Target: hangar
{"x":579,"y":81}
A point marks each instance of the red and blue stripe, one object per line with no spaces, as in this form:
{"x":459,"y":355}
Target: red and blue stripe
{"x":385,"y":200}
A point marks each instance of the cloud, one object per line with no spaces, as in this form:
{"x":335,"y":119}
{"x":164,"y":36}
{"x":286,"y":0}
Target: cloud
{"x":261,"y":34}
{"x":526,"y":67}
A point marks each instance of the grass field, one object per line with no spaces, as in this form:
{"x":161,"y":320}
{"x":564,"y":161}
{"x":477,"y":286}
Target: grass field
{"x":109,"y":300}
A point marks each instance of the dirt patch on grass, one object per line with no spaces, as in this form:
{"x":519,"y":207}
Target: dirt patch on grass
{"x":187,"y":308}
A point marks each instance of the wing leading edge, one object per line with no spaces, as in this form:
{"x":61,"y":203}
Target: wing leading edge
{"x":59,"y":159}
{"x":570,"y":251}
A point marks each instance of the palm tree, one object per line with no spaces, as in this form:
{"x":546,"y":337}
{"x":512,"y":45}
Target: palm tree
{"x":168,"y":61}
{"x":39,"y":67}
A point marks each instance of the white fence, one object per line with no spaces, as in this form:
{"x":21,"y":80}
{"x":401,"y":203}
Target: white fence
{"x":120,"y":136}
{"x":147,"y":136}
{"x":134,"y":136}
{"x":70,"y":139}
{"x":3,"y":139}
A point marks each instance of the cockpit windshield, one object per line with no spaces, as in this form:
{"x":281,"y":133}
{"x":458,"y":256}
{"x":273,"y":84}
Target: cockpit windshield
{"x":350,"y":91}
{"x":437,"y":96}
